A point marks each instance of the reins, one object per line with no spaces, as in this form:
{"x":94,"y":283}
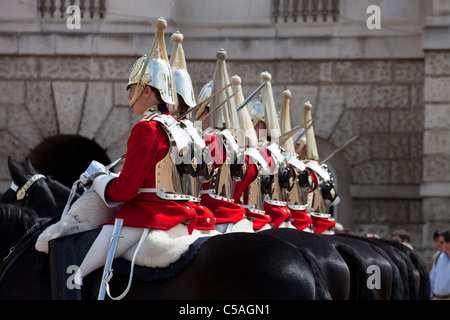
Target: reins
{"x":16,"y":250}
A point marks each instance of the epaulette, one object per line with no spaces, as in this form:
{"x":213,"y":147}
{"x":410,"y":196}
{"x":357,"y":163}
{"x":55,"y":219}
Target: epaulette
{"x":150,"y":116}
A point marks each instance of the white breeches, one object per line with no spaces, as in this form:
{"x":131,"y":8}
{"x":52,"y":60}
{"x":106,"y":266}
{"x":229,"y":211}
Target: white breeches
{"x":96,"y":256}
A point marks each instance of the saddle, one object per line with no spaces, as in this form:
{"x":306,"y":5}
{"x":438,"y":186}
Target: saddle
{"x":68,"y":240}
{"x":67,"y":252}
{"x":160,"y":249}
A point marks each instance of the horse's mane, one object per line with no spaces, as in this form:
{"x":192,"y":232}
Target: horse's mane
{"x":15,"y":222}
{"x":13,"y":216}
{"x":7,"y":196}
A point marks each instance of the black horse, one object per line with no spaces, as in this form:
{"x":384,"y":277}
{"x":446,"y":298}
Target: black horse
{"x":418,"y":277}
{"x":15,"y":223}
{"x":342,"y":267}
{"x":390,"y":279}
{"x":229,"y":266}
{"x":409,"y":277}
{"x":19,"y":227}
{"x":45,"y":196}
{"x":331,"y":260}
{"x":331,"y":264}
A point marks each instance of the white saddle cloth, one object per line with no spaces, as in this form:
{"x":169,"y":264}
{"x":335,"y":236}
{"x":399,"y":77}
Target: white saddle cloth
{"x":87,"y":213}
{"x":160,"y":249}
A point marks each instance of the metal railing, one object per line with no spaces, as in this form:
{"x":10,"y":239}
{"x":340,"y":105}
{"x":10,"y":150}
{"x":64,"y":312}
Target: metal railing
{"x":88,"y":8}
{"x":306,"y":10}
{"x":282,"y":10}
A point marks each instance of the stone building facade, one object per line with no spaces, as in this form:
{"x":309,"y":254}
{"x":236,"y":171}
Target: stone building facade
{"x":62,"y":91}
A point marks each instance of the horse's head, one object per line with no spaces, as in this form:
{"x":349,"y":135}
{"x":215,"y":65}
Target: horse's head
{"x":59,"y":191}
{"x":29,"y":189}
{"x":9,"y":196}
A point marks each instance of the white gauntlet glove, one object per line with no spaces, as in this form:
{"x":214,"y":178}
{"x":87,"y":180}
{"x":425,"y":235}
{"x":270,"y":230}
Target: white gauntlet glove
{"x":94,"y":170}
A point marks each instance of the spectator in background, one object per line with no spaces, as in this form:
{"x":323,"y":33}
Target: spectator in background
{"x":438,"y":241}
{"x":403,"y":237}
{"x":440,"y":272}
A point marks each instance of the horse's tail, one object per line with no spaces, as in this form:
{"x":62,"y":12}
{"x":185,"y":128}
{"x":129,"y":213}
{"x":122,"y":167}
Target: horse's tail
{"x":412,"y":285}
{"x":424,"y":284}
{"x":358,"y":271}
{"x":322,"y":292}
{"x":399,"y":289}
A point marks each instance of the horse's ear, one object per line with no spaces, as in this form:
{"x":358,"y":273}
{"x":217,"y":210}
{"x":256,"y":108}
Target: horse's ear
{"x":29,"y":169}
{"x":16,"y":174}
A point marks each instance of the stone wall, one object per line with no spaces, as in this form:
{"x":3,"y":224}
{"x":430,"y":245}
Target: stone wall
{"x":46,"y":96}
{"x":384,"y":105}
{"x":435,"y":188}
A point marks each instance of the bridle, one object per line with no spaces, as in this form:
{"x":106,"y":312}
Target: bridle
{"x":22,"y":192}
{"x":31,"y":234}
{"x":22,"y":244}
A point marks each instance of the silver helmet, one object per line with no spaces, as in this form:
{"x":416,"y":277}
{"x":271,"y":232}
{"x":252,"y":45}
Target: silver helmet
{"x":204,"y":93}
{"x":256,"y":110}
{"x":181,"y":76}
{"x":154,"y":69}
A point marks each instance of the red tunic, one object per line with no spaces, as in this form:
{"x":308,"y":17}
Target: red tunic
{"x":224,"y":211}
{"x":266,"y":156}
{"x":258,"y":219}
{"x":205,"y":218}
{"x":322,"y":224}
{"x":279,"y":214}
{"x":216,"y":148}
{"x":301,"y":219}
{"x":314,"y":180}
{"x":146,"y":146}
{"x":241,"y":187}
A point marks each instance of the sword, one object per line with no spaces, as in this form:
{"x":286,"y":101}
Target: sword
{"x":339,"y":149}
{"x":286,"y":136}
{"x":250,"y":96}
{"x":205,"y":116}
{"x":107,"y":271}
{"x":112,"y":164}
{"x":203,"y":101}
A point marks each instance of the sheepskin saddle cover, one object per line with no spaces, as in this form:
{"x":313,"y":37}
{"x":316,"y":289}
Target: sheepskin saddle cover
{"x":122,"y":265}
{"x":160,"y":249}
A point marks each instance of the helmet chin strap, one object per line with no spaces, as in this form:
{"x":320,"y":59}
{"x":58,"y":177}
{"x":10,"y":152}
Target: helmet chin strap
{"x":137,"y":94}
{"x":142,"y":82}
{"x":140,"y":87}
